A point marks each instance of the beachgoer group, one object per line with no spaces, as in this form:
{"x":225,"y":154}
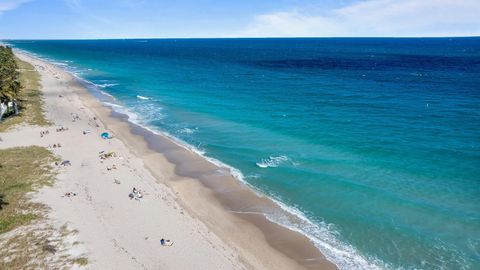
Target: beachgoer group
{"x":135,"y":194}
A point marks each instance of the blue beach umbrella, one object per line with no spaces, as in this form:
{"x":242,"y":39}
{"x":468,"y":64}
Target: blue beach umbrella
{"x":105,"y":135}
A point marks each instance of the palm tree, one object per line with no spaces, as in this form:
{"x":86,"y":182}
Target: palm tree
{"x":9,"y":84}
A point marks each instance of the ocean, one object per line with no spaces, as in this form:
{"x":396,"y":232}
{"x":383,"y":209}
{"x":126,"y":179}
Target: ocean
{"x":374,"y":142}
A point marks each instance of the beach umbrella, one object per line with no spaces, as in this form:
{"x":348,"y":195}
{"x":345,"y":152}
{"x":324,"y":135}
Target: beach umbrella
{"x":105,"y":135}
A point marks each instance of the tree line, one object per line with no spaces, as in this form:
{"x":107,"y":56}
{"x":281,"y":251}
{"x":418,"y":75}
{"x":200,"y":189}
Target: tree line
{"x":9,"y":82}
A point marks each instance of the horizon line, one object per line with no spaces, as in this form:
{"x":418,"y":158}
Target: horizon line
{"x":279,"y":37}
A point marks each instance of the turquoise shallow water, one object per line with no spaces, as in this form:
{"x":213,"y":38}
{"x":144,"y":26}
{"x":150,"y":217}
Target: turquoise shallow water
{"x":374,"y":141}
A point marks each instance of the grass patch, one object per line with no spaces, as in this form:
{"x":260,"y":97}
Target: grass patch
{"x":22,"y":170}
{"x":30,"y":99}
{"x":27,"y":240}
{"x":39,"y":246}
{"x":81,"y":261}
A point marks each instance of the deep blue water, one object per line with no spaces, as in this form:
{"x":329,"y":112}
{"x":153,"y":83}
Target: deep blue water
{"x":375,"y":141}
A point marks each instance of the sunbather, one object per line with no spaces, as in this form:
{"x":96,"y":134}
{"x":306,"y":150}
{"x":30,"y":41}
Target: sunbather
{"x":69,"y":194}
{"x":166,"y":242}
{"x":66,"y":163}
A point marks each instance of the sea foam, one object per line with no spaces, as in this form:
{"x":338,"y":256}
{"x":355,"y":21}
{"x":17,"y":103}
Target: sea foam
{"x":106,"y":85}
{"x":272,"y":161}
{"x":143,"y":98}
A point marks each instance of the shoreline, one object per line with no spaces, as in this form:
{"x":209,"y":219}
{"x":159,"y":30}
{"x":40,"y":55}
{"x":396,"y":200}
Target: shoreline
{"x":219,"y":200}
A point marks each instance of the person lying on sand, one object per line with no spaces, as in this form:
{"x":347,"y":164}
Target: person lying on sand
{"x":107,"y":155}
{"x":69,"y":194}
{"x":66,"y":163}
{"x":56,"y":145}
{"x":137,"y":193}
{"x":112,"y":168}
{"x":75,"y":117}
{"x":43,"y":133}
{"x":166,"y":242}
{"x":62,"y":129}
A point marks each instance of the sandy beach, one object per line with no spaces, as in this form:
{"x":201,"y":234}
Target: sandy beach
{"x":213,"y":220}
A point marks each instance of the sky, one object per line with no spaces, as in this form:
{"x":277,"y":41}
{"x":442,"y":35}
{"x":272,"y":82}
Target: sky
{"x":96,"y":19}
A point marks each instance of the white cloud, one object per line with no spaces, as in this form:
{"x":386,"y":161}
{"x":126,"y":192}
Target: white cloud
{"x":380,"y":18}
{"x":6,"y":5}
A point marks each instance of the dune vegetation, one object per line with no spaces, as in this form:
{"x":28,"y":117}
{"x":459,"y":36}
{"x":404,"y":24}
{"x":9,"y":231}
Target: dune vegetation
{"x":20,"y":95}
